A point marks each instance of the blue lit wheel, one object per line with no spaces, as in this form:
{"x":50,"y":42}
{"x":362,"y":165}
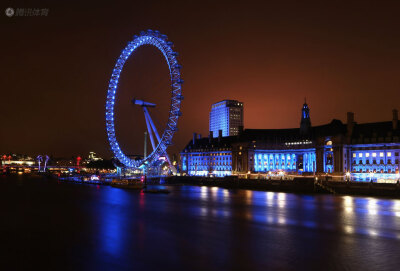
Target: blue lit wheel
{"x":154,"y":38}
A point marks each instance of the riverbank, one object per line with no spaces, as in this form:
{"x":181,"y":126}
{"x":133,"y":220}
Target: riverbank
{"x":303,"y":185}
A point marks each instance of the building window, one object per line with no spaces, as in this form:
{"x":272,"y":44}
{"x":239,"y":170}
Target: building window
{"x":367,"y":154}
{"x":360,"y":155}
{"x":354,"y":155}
{"x":374,"y":154}
{"x":381,"y":154}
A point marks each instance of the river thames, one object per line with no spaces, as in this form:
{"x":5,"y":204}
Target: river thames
{"x":61,"y":226}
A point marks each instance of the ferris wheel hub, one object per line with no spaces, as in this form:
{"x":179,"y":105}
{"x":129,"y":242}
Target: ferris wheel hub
{"x":143,"y":103}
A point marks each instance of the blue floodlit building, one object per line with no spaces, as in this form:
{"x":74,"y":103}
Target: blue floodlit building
{"x":207,"y":156}
{"x":365,"y":152}
{"x":226,"y":116}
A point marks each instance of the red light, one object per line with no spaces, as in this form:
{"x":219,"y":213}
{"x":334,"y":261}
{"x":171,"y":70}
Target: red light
{"x":78,"y":160}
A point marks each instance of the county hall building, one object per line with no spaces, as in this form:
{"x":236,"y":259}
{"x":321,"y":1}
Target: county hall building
{"x":367,"y":151}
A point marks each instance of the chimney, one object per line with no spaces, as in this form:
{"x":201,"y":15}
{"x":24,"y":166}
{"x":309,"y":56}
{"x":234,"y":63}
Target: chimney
{"x":350,"y":123}
{"x":219,"y":135}
{"x":210,"y":137}
{"x":194,"y":138}
{"x":395,"y":121}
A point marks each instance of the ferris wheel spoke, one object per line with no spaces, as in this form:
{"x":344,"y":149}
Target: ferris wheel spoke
{"x":150,"y":132}
{"x":146,"y":112}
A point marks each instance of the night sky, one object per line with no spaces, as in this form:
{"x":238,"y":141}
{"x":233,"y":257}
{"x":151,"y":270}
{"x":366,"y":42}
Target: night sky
{"x":55,"y":69}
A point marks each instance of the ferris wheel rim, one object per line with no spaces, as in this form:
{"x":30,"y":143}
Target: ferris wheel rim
{"x":158,"y":40}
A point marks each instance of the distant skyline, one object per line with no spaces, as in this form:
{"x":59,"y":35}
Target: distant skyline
{"x":269,"y":55}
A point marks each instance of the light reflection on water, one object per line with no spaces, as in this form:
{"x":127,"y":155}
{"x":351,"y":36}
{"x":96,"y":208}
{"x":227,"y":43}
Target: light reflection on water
{"x":112,"y":221}
{"x":205,"y":228}
{"x":353,"y":215}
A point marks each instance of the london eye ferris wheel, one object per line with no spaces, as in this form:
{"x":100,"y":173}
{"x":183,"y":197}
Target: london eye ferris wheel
{"x":159,"y":142}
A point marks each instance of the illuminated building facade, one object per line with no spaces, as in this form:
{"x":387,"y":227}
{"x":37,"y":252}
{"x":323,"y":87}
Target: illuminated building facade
{"x":302,"y":160}
{"x":374,"y":152}
{"x":375,"y":161}
{"x":226,"y":116}
{"x":17,"y":159}
{"x":93,"y":157}
{"x":363,"y":152}
{"x":207,"y":156}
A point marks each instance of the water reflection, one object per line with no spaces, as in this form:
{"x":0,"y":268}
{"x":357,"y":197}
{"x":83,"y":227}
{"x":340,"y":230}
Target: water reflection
{"x":270,"y":198}
{"x":396,"y":207}
{"x":204,"y":228}
{"x":281,"y":200}
{"x":372,"y":206}
{"x":204,"y":192}
{"x":358,"y":216}
{"x":286,"y":215}
{"x":112,"y":220}
{"x":348,"y":204}
{"x":249,"y":196}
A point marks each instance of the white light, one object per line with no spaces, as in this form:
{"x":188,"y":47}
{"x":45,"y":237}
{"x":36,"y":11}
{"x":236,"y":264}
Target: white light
{"x":349,"y":229}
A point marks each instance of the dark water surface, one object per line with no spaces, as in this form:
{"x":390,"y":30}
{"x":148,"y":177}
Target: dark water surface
{"x":57,"y":226}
